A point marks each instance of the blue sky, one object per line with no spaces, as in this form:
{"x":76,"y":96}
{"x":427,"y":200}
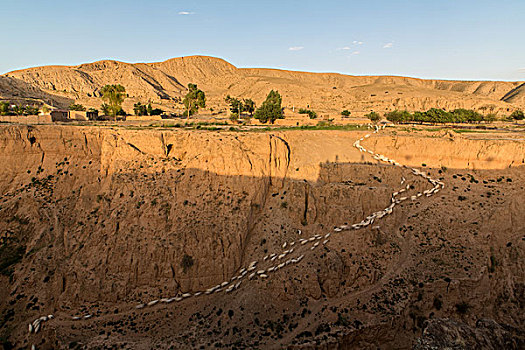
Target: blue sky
{"x":459,"y":39}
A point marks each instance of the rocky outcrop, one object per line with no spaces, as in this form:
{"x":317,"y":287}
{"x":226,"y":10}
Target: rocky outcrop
{"x":487,"y":334}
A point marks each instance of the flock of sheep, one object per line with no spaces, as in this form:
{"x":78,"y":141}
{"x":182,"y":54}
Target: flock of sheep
{"x":279,"y":261}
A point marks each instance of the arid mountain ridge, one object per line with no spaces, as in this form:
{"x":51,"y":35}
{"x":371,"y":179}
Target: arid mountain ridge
{"x":164,"y":83}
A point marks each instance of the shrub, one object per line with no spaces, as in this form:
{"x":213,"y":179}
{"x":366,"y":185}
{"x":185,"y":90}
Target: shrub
{"x":310,"y":113}
{"x":517,"y":115}
{"x":373,"y":116}
{"x":186,"y":263}
{"x":345,"y":113}
{"x":462,"y":308}
{"x":77,"y":107}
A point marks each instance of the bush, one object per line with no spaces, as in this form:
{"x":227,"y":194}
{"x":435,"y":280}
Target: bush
{"x":462,"y":308}
{"x":186,"y":263}
{"x":77,"y":107}
{"x":234,"y":117}
{"x":517,"y":115}
{"x":345,"y":113}
{"x":310,"y":113}
{"x":373,"y":116}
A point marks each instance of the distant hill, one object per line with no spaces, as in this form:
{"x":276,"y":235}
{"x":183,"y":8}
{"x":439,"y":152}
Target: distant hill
{"x":164,"y":83}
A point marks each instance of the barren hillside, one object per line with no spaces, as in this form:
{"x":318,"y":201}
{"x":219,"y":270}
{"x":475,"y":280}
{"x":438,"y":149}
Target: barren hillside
{"x":165,"y":83}
{"x":104,"y":220}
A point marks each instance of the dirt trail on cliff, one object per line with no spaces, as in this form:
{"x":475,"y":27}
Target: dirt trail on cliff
{"x":109,"y":218}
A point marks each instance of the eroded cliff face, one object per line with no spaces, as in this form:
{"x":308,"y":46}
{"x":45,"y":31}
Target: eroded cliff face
{"x":104,"y":218}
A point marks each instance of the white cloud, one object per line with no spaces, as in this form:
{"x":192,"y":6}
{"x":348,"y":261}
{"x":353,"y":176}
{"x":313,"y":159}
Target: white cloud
{"x":521,"y":70}
{"x":296,"y":48}
{"x":186,"y":13}
{"x":345,"y":48}
{"x":355,"y":53}
{"x":388,"y":46}
{"x":355,"y":42}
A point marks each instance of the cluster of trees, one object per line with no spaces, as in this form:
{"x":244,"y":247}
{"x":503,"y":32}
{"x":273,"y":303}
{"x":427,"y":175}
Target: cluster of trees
{"x":7,"y":108}
{"x":141,"y":109}
{"x":435,"y":116}
{"x":271,"y":108}
{"x":310,"y":113}
{"x":238,"y":106}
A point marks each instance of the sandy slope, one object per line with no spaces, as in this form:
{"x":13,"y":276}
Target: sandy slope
{"x":165,"y":83}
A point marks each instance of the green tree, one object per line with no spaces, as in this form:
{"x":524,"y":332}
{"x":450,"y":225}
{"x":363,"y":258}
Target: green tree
{"x":345,"y":113}
{"x":194,"y":99}
{"x":139,"y":109}
{"x":249,"y":106}
{"x":236,"y":105}
{"x":113,"y":96}
{"x":77,"y":107}
{"x":517,"y":115}
{"x":270,"y":109}
{"x":373,"y":116}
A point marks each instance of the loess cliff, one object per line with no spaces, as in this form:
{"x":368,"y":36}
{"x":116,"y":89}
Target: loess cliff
{"x":97,"y":220}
